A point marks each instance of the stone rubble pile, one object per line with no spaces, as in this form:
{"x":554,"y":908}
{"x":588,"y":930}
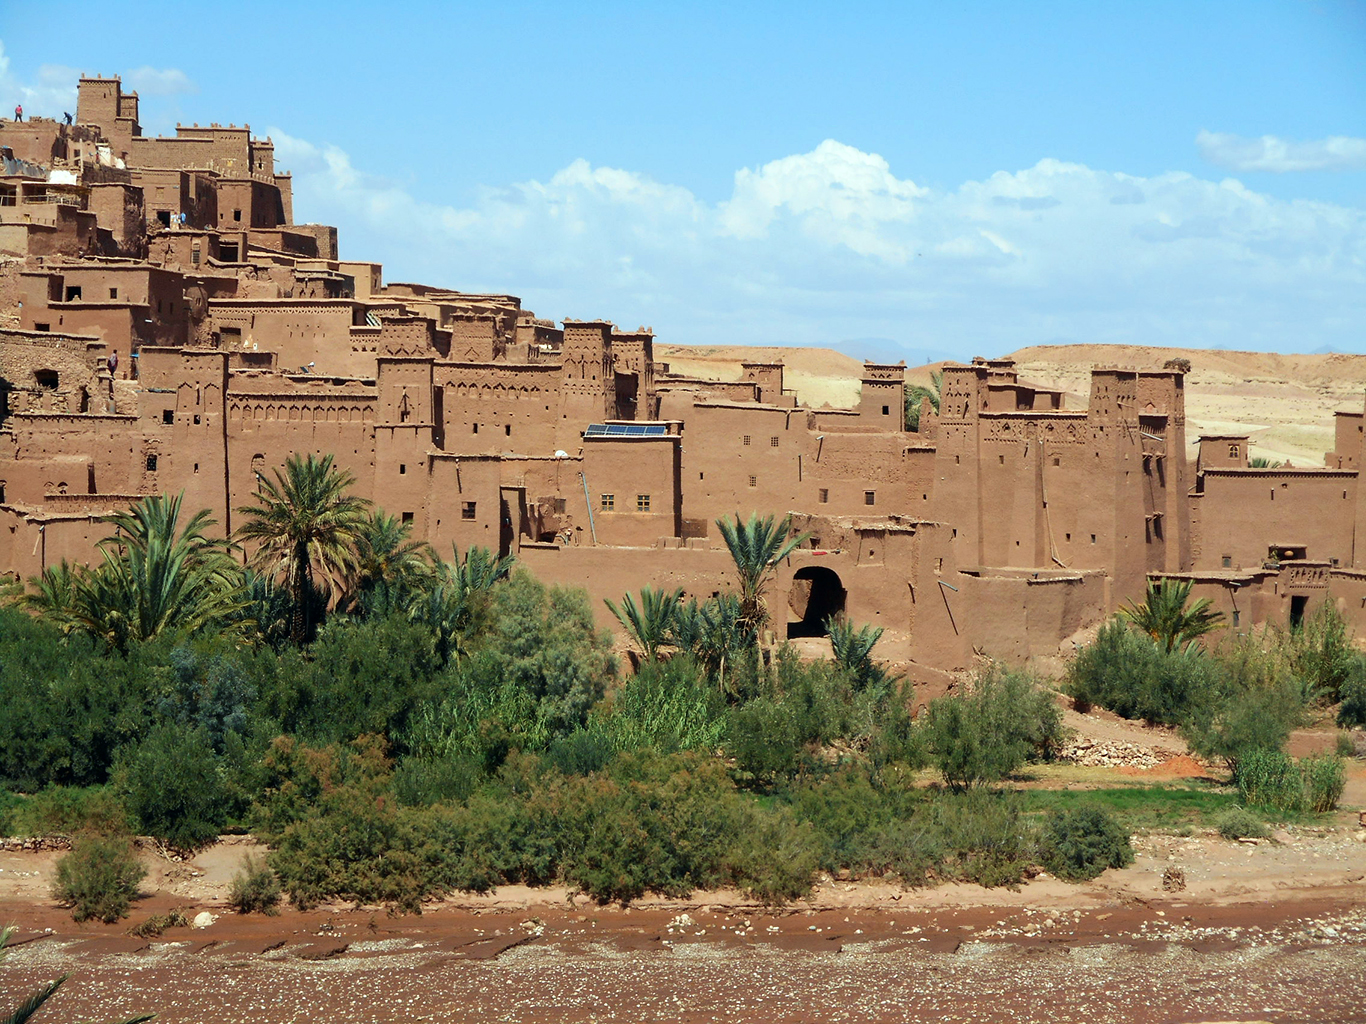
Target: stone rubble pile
{"x":1113,"y":754}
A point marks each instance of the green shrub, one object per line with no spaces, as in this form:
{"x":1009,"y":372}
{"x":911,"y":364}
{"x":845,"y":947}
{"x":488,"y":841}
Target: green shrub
{"x":173,"y":788}
{"x":1321,"y":653}
{"x":158,"y":923}
{"x":1270,"y":779}
{"x":977,"y":837}
{"x":1240,"y":823}
{"x":668,"y":706}
{"x":1255,"y":706}
{"x":1352,"y":711}
{"x":1128,"y":673}
{"x":988,"y":732}
{"x":583,"y":751}
{"x":1344,"y":745}
{"x":1081,"y":842}
{"x":254,"y":889}
{"x":69,"y":811}
{"x":764,"y":738}
{"x":98,"y":878}
{"x":1324,"y":779}
{"x":774,"y":857}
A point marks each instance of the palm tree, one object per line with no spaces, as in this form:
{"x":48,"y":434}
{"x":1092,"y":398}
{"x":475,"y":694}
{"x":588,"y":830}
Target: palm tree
{"x":156,"y":577}
{"x":1163,"y":615}
{"x":853,"y":649}
{"x":713,"y":633}
{"x":757,"y":546}
{"x":390,"y":564}
{"x":651,"y":622}
{"x":452,"y":605}
{"x":915,"y":393}
{"x":306,"y":528}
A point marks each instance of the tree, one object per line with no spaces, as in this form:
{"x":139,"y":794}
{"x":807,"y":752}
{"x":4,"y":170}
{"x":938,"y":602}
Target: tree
{"x":916,"y":393}
{"x":986,"y":733}
{"x":306,"y":526}
{"x":1163,"y":615}
{"x":651,"y":622}
{"x":713,"y":632}
{"x":756,"y":546}
{"x":453,"y":605}
{"x":390,"y":564}
{"x":156,"y":578}
{"x":853,"y":649}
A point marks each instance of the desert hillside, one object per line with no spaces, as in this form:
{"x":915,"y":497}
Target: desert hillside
{"x":1284,"y":402}
{"x":820,"y":376}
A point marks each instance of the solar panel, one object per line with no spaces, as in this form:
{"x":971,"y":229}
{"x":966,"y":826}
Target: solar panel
{"x":627,"y":430}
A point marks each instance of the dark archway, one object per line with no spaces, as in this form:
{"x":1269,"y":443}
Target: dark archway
{"x":816,"y":595}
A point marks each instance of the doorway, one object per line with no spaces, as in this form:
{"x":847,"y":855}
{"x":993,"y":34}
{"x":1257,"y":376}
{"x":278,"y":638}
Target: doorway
{"x":816,"y":595}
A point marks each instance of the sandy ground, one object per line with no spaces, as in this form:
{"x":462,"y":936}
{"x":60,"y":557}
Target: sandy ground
{"x":1272,"y":930}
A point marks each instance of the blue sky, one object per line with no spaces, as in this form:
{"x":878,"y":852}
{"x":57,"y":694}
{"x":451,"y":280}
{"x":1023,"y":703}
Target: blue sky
{"x":899,"y":179}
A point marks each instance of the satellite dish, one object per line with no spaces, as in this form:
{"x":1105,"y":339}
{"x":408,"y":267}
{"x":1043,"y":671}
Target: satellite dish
{"x":561,"y":453}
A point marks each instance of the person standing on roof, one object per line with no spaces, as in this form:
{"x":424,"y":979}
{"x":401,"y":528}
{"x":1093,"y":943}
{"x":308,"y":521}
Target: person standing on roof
{"x":18,"y":112}
{"x":67,"y":116}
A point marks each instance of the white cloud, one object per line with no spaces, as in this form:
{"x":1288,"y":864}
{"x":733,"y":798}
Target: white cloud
{"x":149,"y":81}
{"x":828,"y":245}
{"x":1269,"y":153}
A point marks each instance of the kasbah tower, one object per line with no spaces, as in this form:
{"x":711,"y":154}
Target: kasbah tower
{"x":167,"y":326}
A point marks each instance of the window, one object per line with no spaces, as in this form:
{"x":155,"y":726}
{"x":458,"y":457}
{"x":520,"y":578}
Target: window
{"x":168,"y":416}
{"x":870,"y":497}
{"x":1057,"y":461}
{"x":407,"y":517}
{"x":608,"y":502}
{"x":642,"y":503}
{"x":194,"y":257}
{"x":1093,"y":538}
{"x":886,"y":409}
{"x":42,"y":327}
{"x":476,"y":428}
{"x":773,"y":441}
{"x":196,"y":420}
{"x":196,"y":467}
{"x":236,"y":214}
{"x":73,"y":293}
{"x":151,"y":463}
{"x":825,"y":495}
{"x":754,"y":481}
{"x":402,"y":468}
{"x":467,"y":510}
{"x":1068,"y":536}
{"x":1002,"y":459}
{"x":113,"y":293}
{"x":1234,"y":451}
{"x":164,"y":218}
{"x":507,"y":429}
{"x":1228,"y":561}
{"x":747,"y":439}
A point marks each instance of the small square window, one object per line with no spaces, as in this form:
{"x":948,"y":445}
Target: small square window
{"x":609,"y":502}
{"x":196,"y":421}
{"x":467,"y":510}
{"x":754,"y":481}
{"x":167,"y":415}
{"x":113,"y":293}
{"x":1068,"y":536}
{"x":870,"y":497}
{"x":236,"y":214}
{"x":773,"y":441}
{"x":1234,"y":451}
{"x":151,"y":463}
{"x":1093,"y":538}
{"x":825,"y":495}
{"x":642,"y":503}
{"x":402,"y":468}
{"x":407,"y":517}
{"x":886,"y":410}
{"x":1057,"y":461}
{"x":747,"y":439}
{"x":1228,"y":561}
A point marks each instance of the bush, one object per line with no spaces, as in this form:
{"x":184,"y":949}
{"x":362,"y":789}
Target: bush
{"x":1324,"y":780}
{"x":990,"y":731}
{"x":173,"y":788}
{"x":1255,"y":709}
{"x":69,"y":811}
{"x":774,"y":857}
{"x":1270,"y":779}
{"x":667,"y":706}
{"x":764,"y":739}
{"x":158,"y":923}
{"x":1126,"y":672}
{"x":1081,"y":842}
{"x":98,"y":878}
{"x":1321,"y":653}
{"x":975,"y":837}
{"x":255,"y":889}
{"x":1240,"y":823}
{"x":1352,"y":711}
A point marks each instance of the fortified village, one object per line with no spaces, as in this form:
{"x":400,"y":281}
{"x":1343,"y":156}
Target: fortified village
{"x":178,"y":331}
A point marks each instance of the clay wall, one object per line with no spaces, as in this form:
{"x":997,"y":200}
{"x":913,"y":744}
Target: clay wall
{"x":1243,"y":513}
{"x":1347,"y":441}
{"x":464,"y":502}
{"x":299,"y":332}
{"x":500,"y":407}
{"x":635,"y":483}
{"x":118,"y":209}
{"x":88,"y":453}
{"x":1222,"y":451}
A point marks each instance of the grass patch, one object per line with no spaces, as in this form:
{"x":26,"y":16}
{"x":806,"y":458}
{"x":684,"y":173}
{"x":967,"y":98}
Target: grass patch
{"x":1150,"y":808}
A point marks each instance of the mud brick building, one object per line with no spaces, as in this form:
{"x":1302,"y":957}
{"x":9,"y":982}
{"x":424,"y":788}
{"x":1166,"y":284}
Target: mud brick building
{"x":176,"y":330}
